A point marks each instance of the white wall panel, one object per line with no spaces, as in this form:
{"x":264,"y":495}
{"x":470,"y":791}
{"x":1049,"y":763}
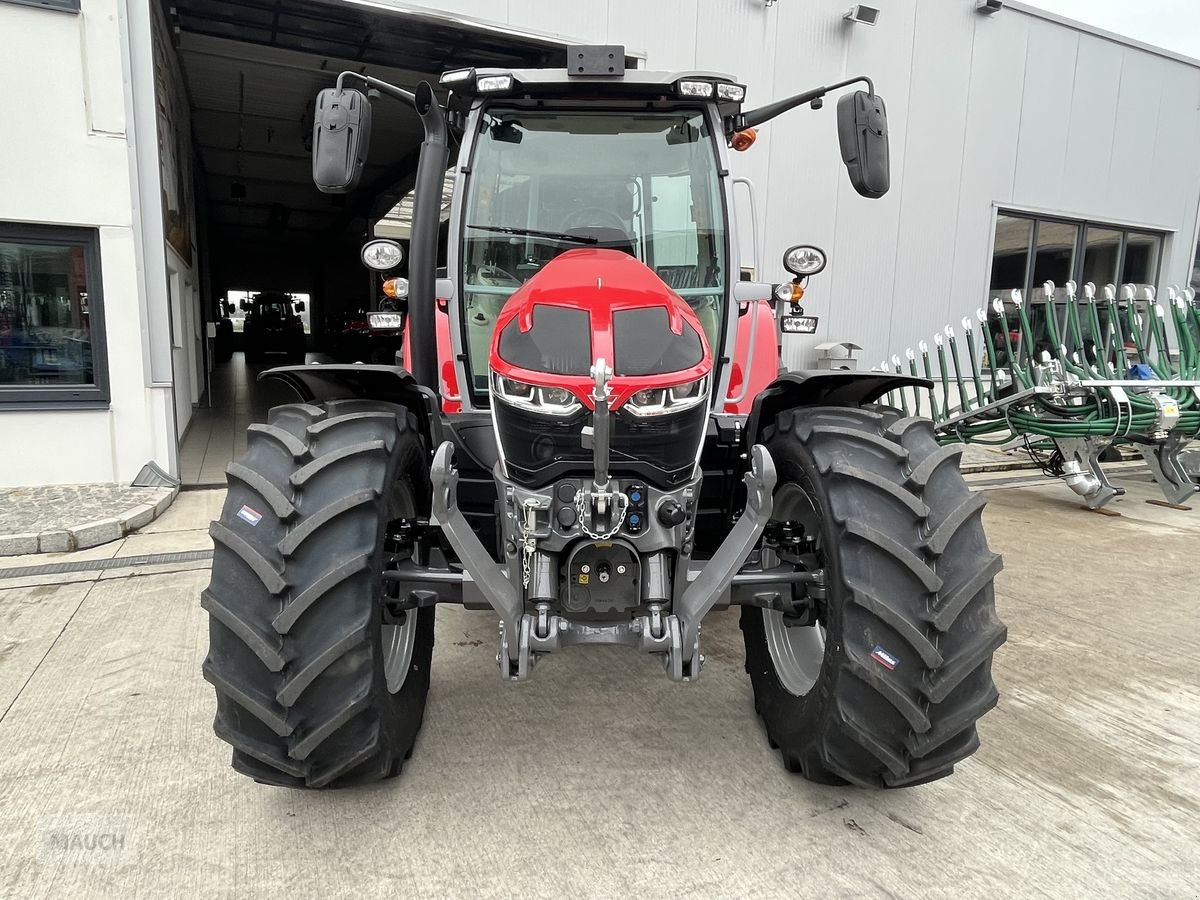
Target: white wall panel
{"x":1090,"y":124}
{"x":1046,"y":102}
{"x":997,"y":87}
{"x":587,"y":22}
{"x":935,"y":111}
{"x":1133,"y":137}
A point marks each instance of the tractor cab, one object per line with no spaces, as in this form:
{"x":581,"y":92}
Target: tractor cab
{"x":553,"y":161}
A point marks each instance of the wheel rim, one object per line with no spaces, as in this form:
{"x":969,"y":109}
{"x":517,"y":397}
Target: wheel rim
{"x":397,"y":640}
{"x":797,"y":651}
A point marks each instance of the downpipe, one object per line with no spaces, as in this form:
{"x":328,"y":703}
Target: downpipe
{"x":422,"y":266}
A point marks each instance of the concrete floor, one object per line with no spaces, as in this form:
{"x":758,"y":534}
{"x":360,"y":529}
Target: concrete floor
{"x":599,"y":778}
{"x":216,"y":434}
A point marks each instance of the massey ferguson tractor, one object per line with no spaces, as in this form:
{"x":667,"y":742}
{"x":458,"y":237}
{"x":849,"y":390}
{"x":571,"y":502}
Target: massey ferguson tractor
{"x":591,"y":437}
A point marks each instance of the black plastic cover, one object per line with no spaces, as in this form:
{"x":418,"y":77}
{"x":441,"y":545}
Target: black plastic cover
{"x":596,"y":59}
{"x":559,"y":341}
{"x":644,"y":344}
{"x":863,"y":135}
{"x":341,"y":138}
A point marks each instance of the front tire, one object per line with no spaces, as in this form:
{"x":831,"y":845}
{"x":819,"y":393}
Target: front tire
{"x":313,"y":688}
{"x":885,"y":691}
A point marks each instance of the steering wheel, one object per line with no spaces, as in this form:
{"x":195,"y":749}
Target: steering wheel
{"x":594,"y":216}
{"x":494,"y":276}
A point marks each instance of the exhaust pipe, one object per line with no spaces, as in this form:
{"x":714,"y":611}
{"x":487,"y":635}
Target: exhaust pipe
{"x":422,"y":265}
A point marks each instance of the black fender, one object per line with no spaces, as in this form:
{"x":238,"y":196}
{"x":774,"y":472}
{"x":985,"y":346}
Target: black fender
{"x":318,"y":383}
{"x":833,"y":387}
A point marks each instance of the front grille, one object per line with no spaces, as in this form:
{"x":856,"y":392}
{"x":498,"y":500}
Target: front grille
{"x":540,"y":448}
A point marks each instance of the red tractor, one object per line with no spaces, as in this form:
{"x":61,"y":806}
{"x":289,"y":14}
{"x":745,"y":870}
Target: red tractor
{"x":592,"y":438}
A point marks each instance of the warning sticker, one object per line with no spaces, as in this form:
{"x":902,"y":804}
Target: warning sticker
{"x":246,"y":514}
{"x":884,"y":658}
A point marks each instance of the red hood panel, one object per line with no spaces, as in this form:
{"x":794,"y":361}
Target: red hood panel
{"x":601,"y":282}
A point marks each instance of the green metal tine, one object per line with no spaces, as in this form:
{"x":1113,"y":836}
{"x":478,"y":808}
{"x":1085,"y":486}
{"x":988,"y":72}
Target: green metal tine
{"x":1114,"y":323}
{"x":1134,"y":320}
{"x":1027,"y":338}
{"x":1078,"y":352}
{"x":964,"y":394}
{"x":912,"y":368}
{"x":1098,"y":336}
{"x":933,"y":404}
{"x":903,"y":396}
{"x":969,"y":335}
{"x":1014,"y":370}
{"x":942,"y":367}
{"x":982,"y":316}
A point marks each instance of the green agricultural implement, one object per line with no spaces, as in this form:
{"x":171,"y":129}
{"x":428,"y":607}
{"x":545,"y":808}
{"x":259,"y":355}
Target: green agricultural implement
{"x":1069,"y":378}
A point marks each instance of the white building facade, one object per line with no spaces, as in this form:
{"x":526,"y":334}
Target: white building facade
{"x":1024,"y":147}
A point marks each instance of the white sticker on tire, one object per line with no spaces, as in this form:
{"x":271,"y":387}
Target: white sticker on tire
{"x":246,"y":514}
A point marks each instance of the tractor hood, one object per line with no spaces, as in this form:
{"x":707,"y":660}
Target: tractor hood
{"x":589,"y":305}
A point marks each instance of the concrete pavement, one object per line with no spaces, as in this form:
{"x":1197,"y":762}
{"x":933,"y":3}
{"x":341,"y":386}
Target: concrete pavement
{"x":600,"y":778}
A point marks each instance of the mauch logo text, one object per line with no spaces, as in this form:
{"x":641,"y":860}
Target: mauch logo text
{"x":75,"y":842}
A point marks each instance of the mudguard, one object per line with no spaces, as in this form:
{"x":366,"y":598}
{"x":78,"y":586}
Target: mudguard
{"x":390,"y":384}
{"x":834,"y":387}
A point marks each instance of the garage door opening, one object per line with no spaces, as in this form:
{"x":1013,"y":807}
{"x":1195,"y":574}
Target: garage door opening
{"x":235,"y":84}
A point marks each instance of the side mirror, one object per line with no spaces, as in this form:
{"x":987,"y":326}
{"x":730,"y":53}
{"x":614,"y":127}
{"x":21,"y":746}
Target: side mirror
{"x":341,"y":137}
{"x":299,"y":306}
{"x":863,"y":134}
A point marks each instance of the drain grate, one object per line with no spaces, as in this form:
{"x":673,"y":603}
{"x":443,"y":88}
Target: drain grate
{"x":93,"y":565}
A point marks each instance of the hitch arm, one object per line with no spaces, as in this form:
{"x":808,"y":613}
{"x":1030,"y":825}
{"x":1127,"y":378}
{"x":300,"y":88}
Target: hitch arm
{"x":714,"y":579}
{"x":489,"y":578}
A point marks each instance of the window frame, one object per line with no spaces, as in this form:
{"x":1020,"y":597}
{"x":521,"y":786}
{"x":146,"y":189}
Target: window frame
{"x":67,"y":6}
{"x":79,"y":396}
{"x":1079,"y":252}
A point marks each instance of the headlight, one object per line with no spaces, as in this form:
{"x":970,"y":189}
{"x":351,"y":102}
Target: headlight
{"x":552,"y":401}
{"x":493,"y":84}
{"x":669,"y":400}
{"x":804,"y":260}
{"x":733,"y":93}
{"x":695,"y":89}
{"x":382,"y":255}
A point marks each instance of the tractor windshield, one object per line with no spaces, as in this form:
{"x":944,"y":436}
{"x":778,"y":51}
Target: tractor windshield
{"x":544,"y":182}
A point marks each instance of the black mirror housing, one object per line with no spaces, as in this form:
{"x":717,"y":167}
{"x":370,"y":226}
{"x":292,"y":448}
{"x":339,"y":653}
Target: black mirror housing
{"x":863,"y":134}
{"x":341,"y":138}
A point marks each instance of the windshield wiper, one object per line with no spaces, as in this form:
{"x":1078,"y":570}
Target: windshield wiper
{"x":533,"y":232}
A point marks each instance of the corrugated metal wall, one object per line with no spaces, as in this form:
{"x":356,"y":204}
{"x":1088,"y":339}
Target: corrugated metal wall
{"x":1011,"y":110}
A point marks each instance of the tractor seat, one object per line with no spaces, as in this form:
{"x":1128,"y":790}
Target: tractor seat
{"x":607,"y":238}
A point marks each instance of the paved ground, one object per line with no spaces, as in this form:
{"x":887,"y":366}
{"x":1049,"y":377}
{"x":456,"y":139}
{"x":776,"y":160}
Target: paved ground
{"x":58,"y":518}
{"x":600,"y":778}
{"x":217,"y":433}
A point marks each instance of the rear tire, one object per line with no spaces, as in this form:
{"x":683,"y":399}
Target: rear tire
{"x":891,"y":695}
{"x":299,"y":653}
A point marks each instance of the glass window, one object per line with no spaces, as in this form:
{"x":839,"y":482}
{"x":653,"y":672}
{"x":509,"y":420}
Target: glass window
{"x":545,"y":182}
{"x":1010,"y":257}
{"x":51,"y":323}
{"x":1140,"y":266}
{"x":1101,"y":255}
{"x":1030,"y":251}
{"x":64,"y":5}
{"x":1196,"y":268}
{"x":1055,"y":258}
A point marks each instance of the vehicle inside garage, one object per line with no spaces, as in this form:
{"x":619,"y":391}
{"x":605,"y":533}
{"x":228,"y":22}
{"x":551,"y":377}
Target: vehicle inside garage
{"x":236,"y":90}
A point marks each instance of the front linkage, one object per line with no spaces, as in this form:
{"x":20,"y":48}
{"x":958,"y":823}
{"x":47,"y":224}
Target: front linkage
{"x":572,"y":516}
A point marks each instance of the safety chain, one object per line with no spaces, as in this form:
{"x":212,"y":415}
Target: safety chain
{"x":581,"y":508}
{"x":528,"y":540}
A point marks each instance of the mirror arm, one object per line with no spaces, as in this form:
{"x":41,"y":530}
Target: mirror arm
{"x":382,"y":86}
{"x":771,"y":110}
